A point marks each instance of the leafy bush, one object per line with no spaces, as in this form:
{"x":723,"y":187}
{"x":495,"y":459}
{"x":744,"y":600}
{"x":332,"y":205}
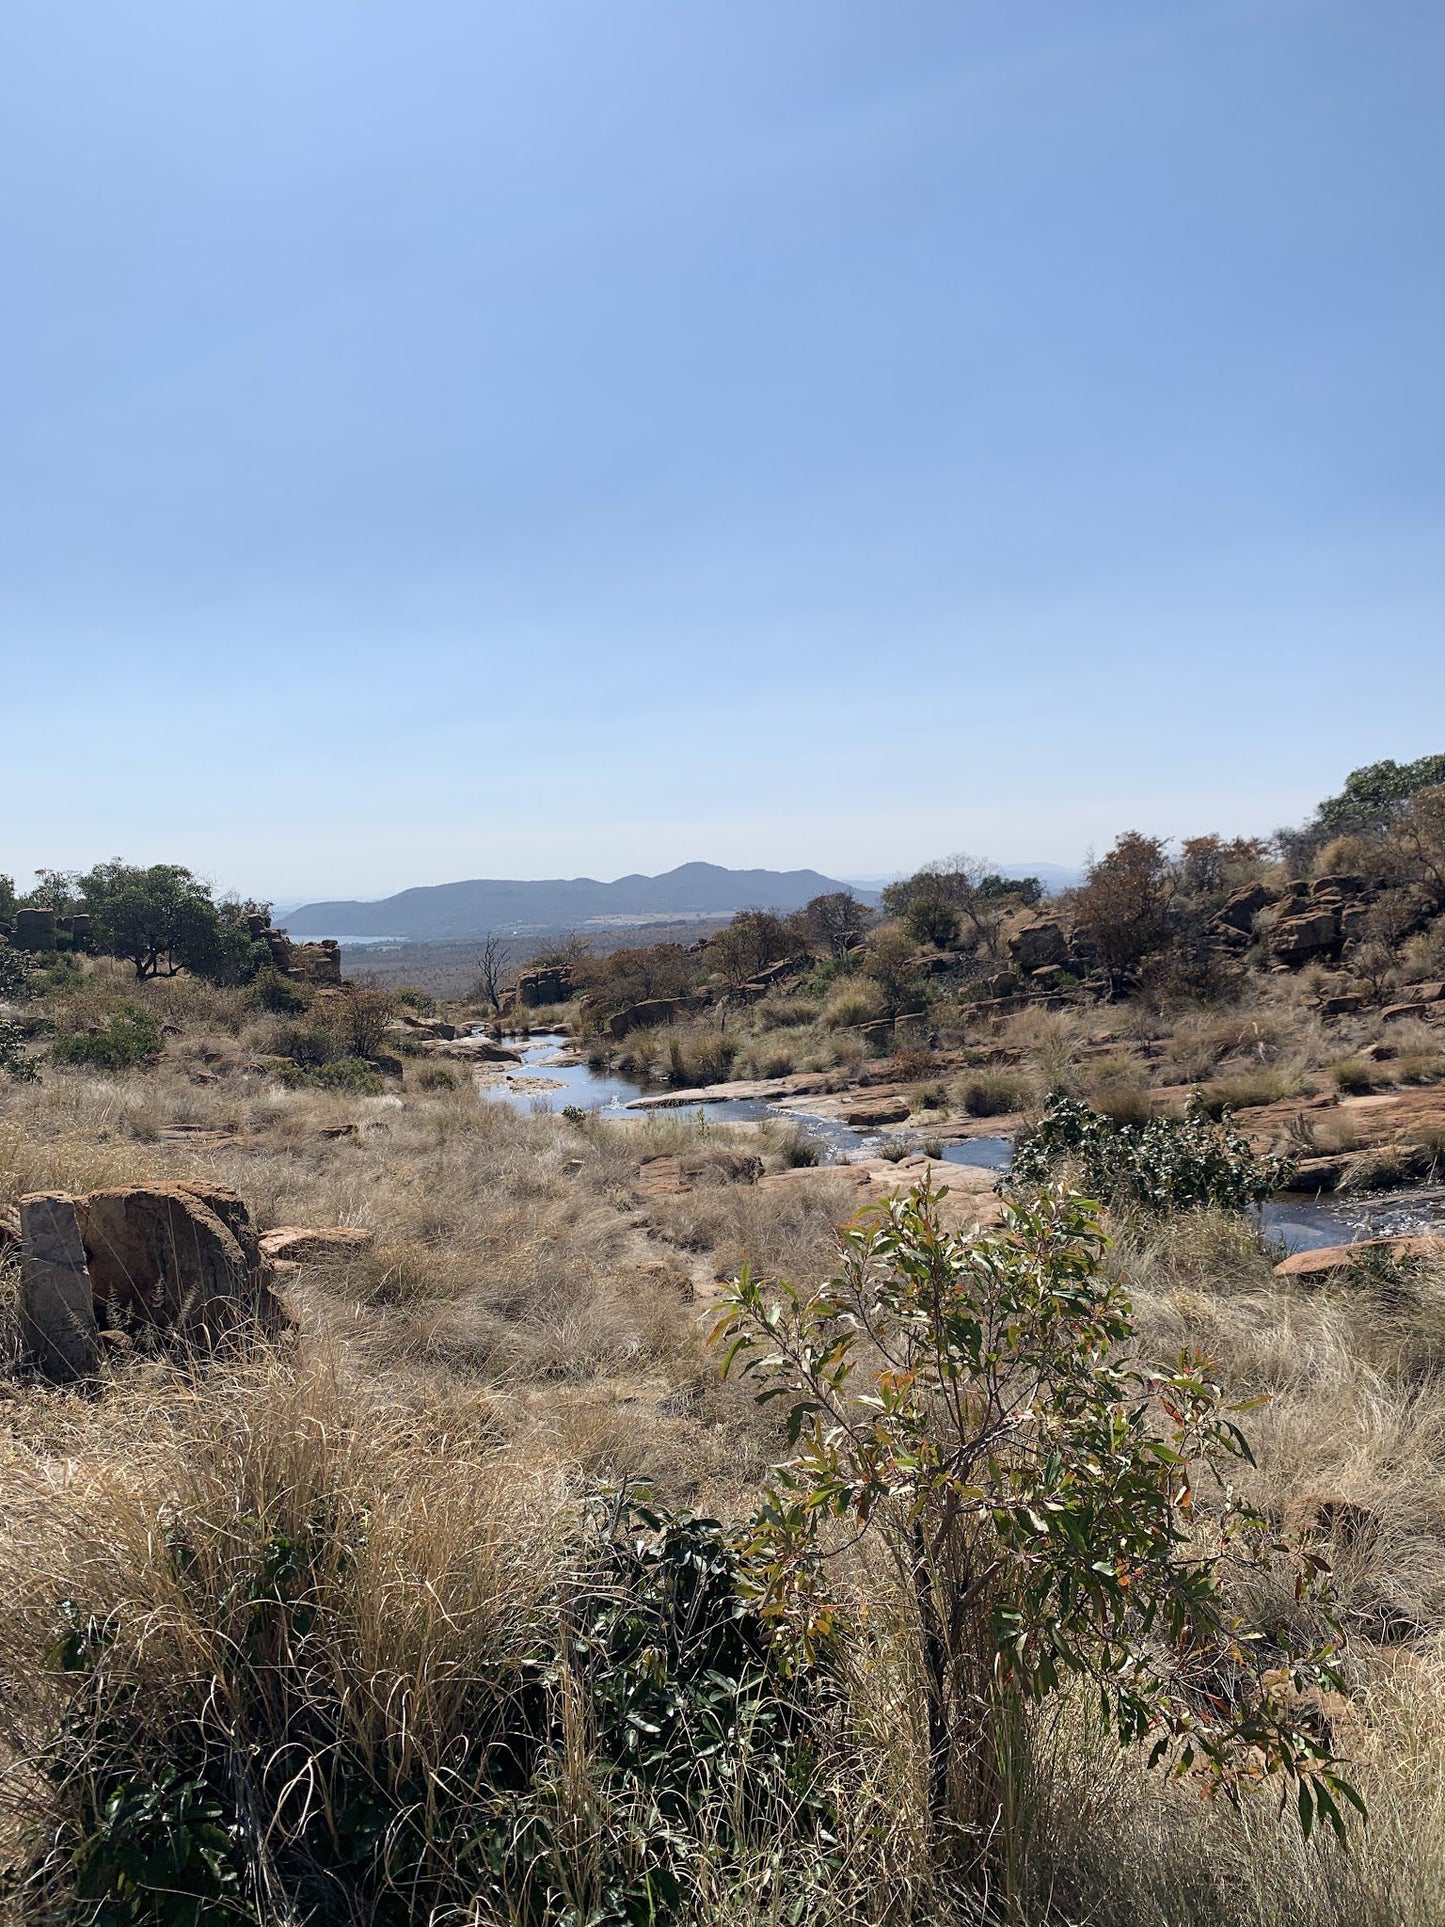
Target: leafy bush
{"x":16,"y":974}
{"x":415,"y":998}
{"x":358,"y":1019}
{"x":932,"y":919}
{"x":968,"y":1402}
{"x":1164,"y":1165}
{"x":306,"y":1045}
{"x":130,"y":1037}
{"x":280,"y":994}
{"x":436,"y":1077}
{"x":14,"y":1063}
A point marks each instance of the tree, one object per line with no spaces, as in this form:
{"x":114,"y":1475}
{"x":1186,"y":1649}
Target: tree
{"x":892,"y":963}
{"x":493,"y":961}
{"x":161,"y":918}
{"x":753,"y":940}
{"x":8,"y":899}
{"x":982,"y":897}
{"x":970,"y":1405}
{"x":1370,"y":801}
{"x":1122,"y":908}
{"x":1212,"y":866}
{"x":53,"y":890}
{"x":835,"y":922}
{"x":1374,"y":796}
{"x":931,"y":919}
{"x":1420,"y":831}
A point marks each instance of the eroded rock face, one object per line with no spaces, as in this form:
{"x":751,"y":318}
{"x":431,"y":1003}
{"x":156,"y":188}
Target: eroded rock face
{"x":1038,"y":945}
{"x":57,"y":1310}
{"x":1299,"y":939}
{"x":181,"y":1257}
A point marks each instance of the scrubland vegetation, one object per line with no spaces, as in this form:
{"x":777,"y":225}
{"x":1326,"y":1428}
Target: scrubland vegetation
{"x":480,"y":1596}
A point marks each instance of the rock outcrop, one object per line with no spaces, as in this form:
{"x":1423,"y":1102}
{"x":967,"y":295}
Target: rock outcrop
{"x":313,"y":963}
{"x":1330,"y":1260}
{"x":548,"y":984}
{"x":180,"y":1260}
{"x":1038,"y":945}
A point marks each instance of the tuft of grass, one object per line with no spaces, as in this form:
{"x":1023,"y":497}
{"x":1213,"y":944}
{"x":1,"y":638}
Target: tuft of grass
{"x":993,"y":1093}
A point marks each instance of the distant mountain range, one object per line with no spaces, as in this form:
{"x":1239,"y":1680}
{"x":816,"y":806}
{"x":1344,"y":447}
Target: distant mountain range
{"x":440,"y":912}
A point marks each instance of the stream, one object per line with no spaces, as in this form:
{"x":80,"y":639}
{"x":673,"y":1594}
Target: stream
{"x":550,"y":1078}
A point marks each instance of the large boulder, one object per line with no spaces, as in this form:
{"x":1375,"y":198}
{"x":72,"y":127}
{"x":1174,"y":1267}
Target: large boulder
{"x":1301,"y":939}
{"x":183,"y":1258}
{"x":34,"y":929}
{"x":57,"y":1310}
{"x":1037,"y":945}
{"x":1239,"y":911}
{"x":548,"y":984}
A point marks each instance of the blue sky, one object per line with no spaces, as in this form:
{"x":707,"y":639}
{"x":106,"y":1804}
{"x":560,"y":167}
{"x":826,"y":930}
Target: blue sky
{"x":555,"y":437}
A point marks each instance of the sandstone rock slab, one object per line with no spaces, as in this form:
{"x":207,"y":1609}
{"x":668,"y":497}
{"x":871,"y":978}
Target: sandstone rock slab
{"x":1331,"y":1259}
{"x":178,"y":1257}
{"x":299,"y":1244}
{"x":57,"y":1306}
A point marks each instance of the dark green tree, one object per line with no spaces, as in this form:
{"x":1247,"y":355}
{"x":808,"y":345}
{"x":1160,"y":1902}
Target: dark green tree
{"x":163,"y":920}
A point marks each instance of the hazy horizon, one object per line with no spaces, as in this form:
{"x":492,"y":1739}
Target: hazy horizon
{"x":537,"y":440}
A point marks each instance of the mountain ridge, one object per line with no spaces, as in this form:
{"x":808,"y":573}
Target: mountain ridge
{"x":513,"y":906}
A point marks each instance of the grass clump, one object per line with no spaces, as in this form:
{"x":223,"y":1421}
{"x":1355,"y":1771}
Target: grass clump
{"x":309,"y":1668}
{"x":993,"y":1093}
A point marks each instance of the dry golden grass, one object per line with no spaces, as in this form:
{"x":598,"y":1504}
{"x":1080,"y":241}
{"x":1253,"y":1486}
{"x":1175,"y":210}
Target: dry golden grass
{"x":528,"y":1325}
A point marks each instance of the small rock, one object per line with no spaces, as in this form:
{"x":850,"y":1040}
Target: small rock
{"x":313,"y":1245}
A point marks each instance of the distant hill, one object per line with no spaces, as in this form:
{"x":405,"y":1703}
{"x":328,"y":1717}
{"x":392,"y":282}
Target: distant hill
{"x":512,"y":908}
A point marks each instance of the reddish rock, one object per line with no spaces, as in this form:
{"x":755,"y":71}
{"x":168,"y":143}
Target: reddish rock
{"x":1330,"y":1259}
{"x":1239,"y":911}
{"x":162,"y":1255}
{"x":57,"y":1306}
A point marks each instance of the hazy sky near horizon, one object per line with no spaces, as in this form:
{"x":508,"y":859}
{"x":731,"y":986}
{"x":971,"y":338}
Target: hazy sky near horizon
{"x":541,"y":437}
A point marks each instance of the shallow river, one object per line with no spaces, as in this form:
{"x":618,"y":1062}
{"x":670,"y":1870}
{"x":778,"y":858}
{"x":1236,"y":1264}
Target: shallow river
{"x":543,"y":1083}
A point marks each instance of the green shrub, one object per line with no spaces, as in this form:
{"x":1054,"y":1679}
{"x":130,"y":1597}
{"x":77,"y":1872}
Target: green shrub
{"x":337,"y":1074}
{"x":280,"y":994}
{"x":973,"y":1403}
{"x":14,"y":1062}
{"x":1355,"y":1076}
{"x":16,"y":974}
{"x":415,"y":998}
{"x":130,"y":1037}
{"x":306,"y":1045}
{"x":928,"y":1097}
{"x":1165,"y":1165}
